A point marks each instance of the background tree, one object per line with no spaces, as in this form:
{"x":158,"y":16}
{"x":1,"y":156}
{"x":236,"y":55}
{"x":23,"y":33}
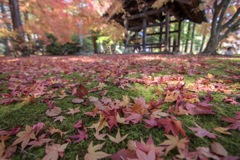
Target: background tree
{"x":224,"y":18}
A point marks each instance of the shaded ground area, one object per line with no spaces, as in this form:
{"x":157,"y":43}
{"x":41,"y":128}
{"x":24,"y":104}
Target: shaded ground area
{"x":69,"y":102}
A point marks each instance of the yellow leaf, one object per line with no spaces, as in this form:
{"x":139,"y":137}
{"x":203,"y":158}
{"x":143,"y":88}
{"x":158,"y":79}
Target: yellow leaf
{"x":222,"y":130}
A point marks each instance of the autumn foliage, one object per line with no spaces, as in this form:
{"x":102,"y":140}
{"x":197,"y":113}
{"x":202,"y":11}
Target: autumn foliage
{"x":95,"y":118}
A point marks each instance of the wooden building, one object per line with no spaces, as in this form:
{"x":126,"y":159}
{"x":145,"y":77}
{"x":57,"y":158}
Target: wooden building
{"x":154,"y":29}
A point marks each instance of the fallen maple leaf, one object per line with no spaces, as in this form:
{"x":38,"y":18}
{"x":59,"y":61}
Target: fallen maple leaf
{"x":80,"y":136}
{"x":174,"y":141}
{"x":143,"y":156}
{"x":125,"y":101}
{"x":134,"y":118}
{"x":222,"y":130}
{"x":59,"y":118}
{"x":93,"y":154}
{"x":235,"y":121}
{"x":9,"y":151}
{"x":81,"y":91}
{"x":124,"y":154}
{"x":73,"y":111}
{"x":56,"y":130}
{"x":121,"y":120}
{"x":172,"y":124}
{"x":53,"y":112}
{"x":99,"y":136}
{"x":11,"y":131}
{"x":24,"y":137}
{"x":148,"y":146}
{"x":39,"y":141}
{"x":2,"y":148}
{"x":54,"y":151}
{"x":201,"y":132}
{"x":38,"y":127}
{"x":118,"y":138}
{"x":77,"y":100}
{"x":198,"y":109}
{"x":92,"y":99}
{"x":171,"y":96}
{"x":218,"y":149}
{"x":78,"y":125}
{"x":100,"y":124}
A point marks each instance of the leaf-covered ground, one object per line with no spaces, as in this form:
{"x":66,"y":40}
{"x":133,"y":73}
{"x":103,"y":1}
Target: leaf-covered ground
{"x":120,"y":107}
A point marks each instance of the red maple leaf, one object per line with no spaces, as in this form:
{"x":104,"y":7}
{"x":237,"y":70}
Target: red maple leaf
{"x":201,"y":132}
{"x":173,"y":125}
{"x":39,"y":141}
{"x":79,"y":137}
{"x":134,"y":118}
{"x":235,"y":121}
{"x":81,"y":91}
{"x":54,"y":151}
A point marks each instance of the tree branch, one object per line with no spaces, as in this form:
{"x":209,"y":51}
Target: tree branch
{"x":224,"y":7}
{"x":235,"y":16}
{"x":230,"y":29}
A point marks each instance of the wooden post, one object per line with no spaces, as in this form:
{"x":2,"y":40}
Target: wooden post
{"x":179,"y":35}
{"x":167,"y":31}
{"x":160,"y":37}
{"x":144,"y":34}
{"x":188,"y":32}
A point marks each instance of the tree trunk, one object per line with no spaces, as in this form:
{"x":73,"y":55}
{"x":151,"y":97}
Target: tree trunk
{"x":188,"y":32}
{"x":16,"y":17}
{"x":212,"y":45}
{"x":203,"y":41}
{"x":222,"y":24}
{"x":17,"y":26}
{"x":192,"y":38}
{"x":94,"y":38}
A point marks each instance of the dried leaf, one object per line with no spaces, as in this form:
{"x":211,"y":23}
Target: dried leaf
{"x":174,"y":141}
{"x":222,"y":130}
{"x":81,"y":91}
{"x":201,"y":132}
{"x":59,"y":118}
{"x":77,"y":100}
{"x":73,"y":111}
{"x":118,"y":138}
{"x":54,"y":151}
{"x":94,"y":154}
{"x":53,"y":112}
{"x":218,"y":149}
{"x":24,"y":137}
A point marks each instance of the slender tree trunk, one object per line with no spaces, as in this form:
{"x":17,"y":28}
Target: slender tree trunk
{"x":16,"y":17}
{"x":6,"y":41}
{"x":192,"y":38}
{"x":17,"y":26}
{"x":188,"y":32}
{"x":203,"y":42}
{"x":94,"y":38}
